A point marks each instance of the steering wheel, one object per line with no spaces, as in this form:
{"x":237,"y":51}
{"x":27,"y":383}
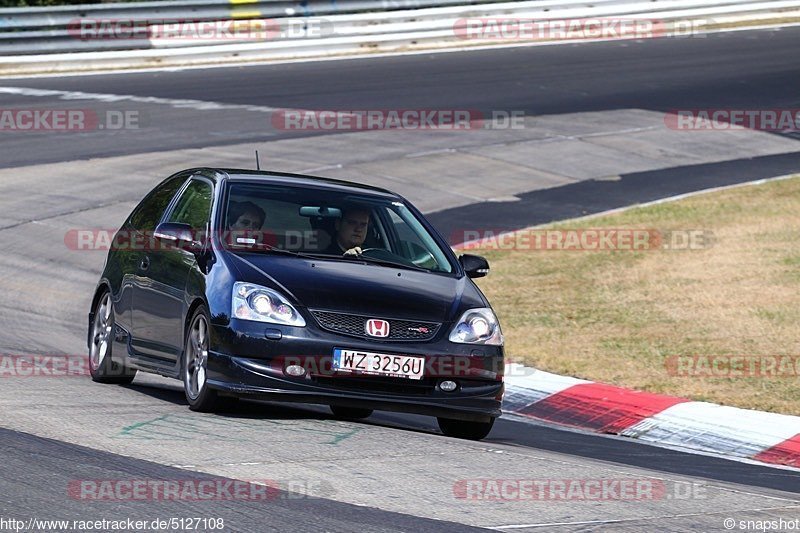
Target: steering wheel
{"x":378,"y":253}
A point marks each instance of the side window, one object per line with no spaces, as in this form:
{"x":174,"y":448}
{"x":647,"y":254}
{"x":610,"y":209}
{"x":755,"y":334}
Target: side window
{"x":147,"y":214}
{"x":194,"y":206}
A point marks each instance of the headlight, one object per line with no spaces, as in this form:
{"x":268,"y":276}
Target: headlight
{"x":477,"y":326}
{"x":254,"y":302}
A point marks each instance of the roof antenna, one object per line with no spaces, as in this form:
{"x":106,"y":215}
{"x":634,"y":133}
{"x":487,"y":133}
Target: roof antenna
{"x":258,"y":163}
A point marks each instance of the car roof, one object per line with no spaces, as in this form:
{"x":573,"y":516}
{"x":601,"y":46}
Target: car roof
{"x":287,"y":178}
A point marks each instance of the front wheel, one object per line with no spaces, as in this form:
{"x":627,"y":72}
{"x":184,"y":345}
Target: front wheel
{"x":194,"y":367}
{"x":462,"y":429}
{"x":102,"y":367}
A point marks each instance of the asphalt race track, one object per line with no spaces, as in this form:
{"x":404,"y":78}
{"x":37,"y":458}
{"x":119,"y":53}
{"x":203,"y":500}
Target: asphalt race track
{"x":738,"y":69}
{"x":603,"y":102}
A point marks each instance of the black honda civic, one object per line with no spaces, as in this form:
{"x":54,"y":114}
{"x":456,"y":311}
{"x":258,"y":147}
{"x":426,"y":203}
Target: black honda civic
{"x":284,"y":287}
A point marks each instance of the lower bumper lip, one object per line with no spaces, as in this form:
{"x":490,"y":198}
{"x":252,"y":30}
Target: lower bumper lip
{"x":258,"y":379}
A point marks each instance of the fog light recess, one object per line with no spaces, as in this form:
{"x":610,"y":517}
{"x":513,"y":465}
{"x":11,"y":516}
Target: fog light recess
{"x":295,"y":371}
{"x":448,"y":386}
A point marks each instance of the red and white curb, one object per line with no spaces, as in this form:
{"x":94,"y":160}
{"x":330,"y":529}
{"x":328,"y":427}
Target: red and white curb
{"x":656,"y":418}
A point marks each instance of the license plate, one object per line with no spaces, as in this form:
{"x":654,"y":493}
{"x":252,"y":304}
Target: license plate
{"x":378,"y":364}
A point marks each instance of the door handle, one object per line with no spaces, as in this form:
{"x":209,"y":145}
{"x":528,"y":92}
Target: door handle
{"x":145,"y":264}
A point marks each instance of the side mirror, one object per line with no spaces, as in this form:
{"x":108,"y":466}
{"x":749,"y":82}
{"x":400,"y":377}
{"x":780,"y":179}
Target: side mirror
{"x":177,"y":233}
{"x":474,"y":265}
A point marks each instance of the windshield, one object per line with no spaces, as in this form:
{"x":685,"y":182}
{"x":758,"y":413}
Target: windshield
{"x":328,"y":224}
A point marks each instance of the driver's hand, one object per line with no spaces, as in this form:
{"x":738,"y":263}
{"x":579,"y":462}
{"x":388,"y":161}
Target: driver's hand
{"x":354,"y":251}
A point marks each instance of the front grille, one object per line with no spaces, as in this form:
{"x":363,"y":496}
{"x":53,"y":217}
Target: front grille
{"x":354,"y":325}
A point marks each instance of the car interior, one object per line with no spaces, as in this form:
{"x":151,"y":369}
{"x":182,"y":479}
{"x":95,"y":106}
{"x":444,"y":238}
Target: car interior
{"x":297,"y":228}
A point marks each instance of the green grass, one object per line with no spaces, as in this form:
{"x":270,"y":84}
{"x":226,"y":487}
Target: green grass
{"x":616,"y":316}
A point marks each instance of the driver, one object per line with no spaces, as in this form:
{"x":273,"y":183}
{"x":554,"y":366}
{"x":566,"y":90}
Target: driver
{"x":351,"y":231}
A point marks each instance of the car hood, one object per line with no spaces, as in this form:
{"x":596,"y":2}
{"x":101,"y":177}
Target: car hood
{"x":358,"y":288}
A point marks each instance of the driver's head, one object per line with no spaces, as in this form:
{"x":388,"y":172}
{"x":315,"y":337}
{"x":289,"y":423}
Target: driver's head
{"x":351,"y":229}
{"x":245,"y":216}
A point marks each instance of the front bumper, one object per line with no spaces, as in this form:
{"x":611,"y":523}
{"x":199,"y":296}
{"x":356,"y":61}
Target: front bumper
{"x":248,"y":359}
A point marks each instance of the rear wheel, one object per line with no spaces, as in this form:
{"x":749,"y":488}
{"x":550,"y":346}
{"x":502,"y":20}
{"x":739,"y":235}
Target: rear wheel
{"x":194,"y":368}
{"x":350,"y":413}
{"x":102,"y":367}
{"x":462,"y":429}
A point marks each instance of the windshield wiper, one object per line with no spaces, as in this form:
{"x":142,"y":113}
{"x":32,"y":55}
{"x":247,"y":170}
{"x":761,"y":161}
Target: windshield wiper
{"x":274,"y":249}
{"x":363,"y":258}
{"x":387,"y":262}
{"x":266,"y":248}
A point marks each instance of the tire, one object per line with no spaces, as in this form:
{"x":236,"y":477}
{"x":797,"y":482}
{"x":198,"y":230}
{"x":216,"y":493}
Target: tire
{"x":102,"y":366}
{"x":194,"y":365}
{"x":350,"y":413}
{"x":462,"y":429}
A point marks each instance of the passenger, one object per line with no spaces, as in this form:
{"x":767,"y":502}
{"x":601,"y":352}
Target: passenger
{"x":245,"y":220}
{"x":245,"y":216}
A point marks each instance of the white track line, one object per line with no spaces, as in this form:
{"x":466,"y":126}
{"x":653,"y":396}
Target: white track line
{"x":178,"y":103}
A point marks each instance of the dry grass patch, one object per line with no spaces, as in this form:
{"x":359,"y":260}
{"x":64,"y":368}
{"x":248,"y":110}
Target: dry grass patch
{"x":616,"y":316}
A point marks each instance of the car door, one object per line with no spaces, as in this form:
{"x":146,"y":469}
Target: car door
{"x":133,"y":239}
{"x":159,"y":303}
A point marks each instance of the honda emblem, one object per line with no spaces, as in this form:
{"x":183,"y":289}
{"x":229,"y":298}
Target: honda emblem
{"x":377,"y":328}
